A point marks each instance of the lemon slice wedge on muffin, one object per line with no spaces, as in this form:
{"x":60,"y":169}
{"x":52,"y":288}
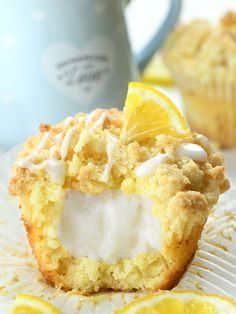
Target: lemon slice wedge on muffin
{"x":148,"y":112}
{"x":102,"y":212}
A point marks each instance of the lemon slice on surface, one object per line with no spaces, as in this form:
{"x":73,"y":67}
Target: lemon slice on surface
{"x":157,"y":72}
{"x":149,"y":112}
{"x":181,"y":302}
{"x":29,"y":304}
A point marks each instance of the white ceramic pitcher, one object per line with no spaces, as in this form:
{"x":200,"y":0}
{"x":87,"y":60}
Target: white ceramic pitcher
{"x":59,"y":57}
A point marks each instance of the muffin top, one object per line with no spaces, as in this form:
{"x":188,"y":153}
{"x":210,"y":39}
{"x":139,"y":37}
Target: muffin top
{"x":203,"y":52}
{"x":86,"y":153}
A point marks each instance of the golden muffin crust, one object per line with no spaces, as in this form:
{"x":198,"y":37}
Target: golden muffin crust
{"x":183,"y":191}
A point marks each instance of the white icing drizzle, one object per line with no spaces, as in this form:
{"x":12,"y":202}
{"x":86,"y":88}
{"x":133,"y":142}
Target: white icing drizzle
{"x":90,"y":117}
{"x":58,"y":136}
{"x":205,"y":142}
{"x":150,"y":165}
{"x":52,"y":151}
{"x":80,"y":119}
{"x":66,"y":142}
{"x":194,"y":151}
{"x":111,"y":144}
{"x":67,"y":121}
{"x":40,"y":146}
{"x":102,"y":119}
{"x":55,"y":169}
{"x":25,"y":162}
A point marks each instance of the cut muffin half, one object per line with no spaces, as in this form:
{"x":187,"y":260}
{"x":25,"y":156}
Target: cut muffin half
{"x":104,"y":214}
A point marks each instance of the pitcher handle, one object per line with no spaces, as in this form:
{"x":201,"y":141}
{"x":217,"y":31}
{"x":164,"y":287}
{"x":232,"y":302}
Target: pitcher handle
{"x":144,"y":56}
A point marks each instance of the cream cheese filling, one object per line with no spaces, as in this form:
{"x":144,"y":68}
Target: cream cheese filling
{"x":109,"y":227}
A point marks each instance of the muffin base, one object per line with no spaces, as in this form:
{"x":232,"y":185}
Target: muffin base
{"x":214,"y":117}
{"x":149,"y":271}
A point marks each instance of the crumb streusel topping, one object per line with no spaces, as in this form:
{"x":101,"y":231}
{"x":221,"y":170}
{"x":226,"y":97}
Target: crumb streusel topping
{"x":202,"y":51}
{"x":85,"y":153}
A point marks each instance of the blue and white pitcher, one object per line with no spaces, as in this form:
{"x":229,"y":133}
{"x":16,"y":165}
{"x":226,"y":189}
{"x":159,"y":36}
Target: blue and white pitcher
{"x":59,"y":57}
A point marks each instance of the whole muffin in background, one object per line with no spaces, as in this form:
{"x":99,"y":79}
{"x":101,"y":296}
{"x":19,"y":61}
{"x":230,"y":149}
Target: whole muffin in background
{"x":202,"y":59}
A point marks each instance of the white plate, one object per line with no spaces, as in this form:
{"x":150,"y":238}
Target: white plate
{"x":212,"y":270}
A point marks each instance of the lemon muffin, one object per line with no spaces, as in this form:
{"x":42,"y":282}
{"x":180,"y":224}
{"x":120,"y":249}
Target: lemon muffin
{"x":202,"y":59}
{"x":107,"y":209}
